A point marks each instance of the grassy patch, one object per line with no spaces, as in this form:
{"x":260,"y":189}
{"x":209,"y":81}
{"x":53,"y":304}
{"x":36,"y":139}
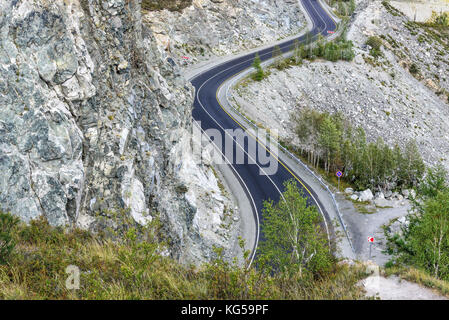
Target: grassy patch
{"x":132,"y":268}
{"x":363,"y":207}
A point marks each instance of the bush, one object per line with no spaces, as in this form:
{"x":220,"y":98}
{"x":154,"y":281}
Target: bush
{"x":303,"y":246}
{"x":425,"y":243}
{"x":8,"y":224}
{"x":414,"y":69}
{"x":132,"y":267}
{"x":439,"y":20}
{"x":332,"y":51}
{"x":259,"y":74}
{"x":375,"y":43}
{"x":330,"y":142}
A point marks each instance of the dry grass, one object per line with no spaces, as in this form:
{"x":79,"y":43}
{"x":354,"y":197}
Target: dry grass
{"x":172,"y":5}
{"x":133,"y":269}
{"x":419,"y":277}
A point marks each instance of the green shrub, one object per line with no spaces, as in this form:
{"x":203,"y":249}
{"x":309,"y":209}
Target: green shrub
{"x":425,"y":243}
{"x":332,"y":143}
{"x":303,"y":246}
{"x":332,"y":51}
{"x":414,"y":69}
{"x":375,"y":43}
{"x":439,"y":20}
{"x":259,"y":74}
{"x":8,"y":224}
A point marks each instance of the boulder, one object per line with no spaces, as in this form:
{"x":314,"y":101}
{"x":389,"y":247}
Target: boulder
{"x":379,"y":195}
{"x":349,"y":191}
{"x":405,"y":193}
{"x":354,"y":197}
{"x":366,"y":195}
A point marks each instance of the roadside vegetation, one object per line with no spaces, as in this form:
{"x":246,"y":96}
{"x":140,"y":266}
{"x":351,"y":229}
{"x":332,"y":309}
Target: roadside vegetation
{"x":338,"y":49}
{"x":330,"y":142}
{"x":375,"y":44}
{"x":297,"y":265}
{"x":335,"y":50}
{"x":343,"y":8}
{"x":259,"y":75}
{"x":424,"y":242}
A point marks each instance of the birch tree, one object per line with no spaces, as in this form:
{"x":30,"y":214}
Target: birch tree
{"x":293,"y":238}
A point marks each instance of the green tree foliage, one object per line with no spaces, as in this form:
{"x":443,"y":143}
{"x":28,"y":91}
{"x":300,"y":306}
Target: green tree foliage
{"x":293,"y":238}
{"x":439,"y":20}
{"x":329,"y":141}
{"x":279,"y":62}
{"x":435,"y":181}
{"x":7,"y":225}
{"x":414,"y":69}
{"x":375,"y":43}
{"x":425,"y":242}
{"x":339,"y":49}
{"x":259,"y":74}
{"x":427,"y":238}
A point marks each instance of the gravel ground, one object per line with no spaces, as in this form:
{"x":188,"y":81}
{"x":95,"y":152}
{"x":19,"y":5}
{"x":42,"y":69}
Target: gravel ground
{"x":361,"y":226}
{"x":394,"y":288}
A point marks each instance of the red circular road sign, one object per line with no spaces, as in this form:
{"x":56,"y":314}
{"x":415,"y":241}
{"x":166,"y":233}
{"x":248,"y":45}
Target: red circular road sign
{"x":370,"y":239}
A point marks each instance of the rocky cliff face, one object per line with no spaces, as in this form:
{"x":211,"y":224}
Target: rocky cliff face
{"x":95,"y":119}
{"x":220,"y":27}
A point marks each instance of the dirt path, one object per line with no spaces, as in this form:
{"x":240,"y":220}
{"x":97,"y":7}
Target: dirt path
{"x":393,"y":288}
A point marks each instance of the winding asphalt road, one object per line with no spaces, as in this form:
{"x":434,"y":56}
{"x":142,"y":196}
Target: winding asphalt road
{"x":210,"y":113}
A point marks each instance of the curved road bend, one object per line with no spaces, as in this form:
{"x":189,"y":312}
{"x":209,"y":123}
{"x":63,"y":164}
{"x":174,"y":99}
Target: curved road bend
{"x":209,"y":112}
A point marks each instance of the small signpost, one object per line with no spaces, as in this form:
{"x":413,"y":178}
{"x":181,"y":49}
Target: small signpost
{"x":339,"y":174}
{"x":329,"y":31}
{"x":185,"y":58}
{"x":371,"y":241}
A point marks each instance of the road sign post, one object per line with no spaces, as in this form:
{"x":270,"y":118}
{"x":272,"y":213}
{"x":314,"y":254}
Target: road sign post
{"x":339,"y":174}
{"x":371,"y":241}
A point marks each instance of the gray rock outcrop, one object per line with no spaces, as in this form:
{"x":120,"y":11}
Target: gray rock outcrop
{"x":94,"y":119}
{"x":223,"y":27}
{"x":366,"y":195}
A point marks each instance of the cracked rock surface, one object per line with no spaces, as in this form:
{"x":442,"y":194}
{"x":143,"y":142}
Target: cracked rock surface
{"x":95,"y":118}
{"x":220,"y":27}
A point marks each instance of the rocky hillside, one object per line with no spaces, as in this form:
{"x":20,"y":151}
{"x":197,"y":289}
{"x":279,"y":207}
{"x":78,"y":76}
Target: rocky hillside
{"x":399,"y":94}
{"x":95,"y":121}
{"x":220,"y":27}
